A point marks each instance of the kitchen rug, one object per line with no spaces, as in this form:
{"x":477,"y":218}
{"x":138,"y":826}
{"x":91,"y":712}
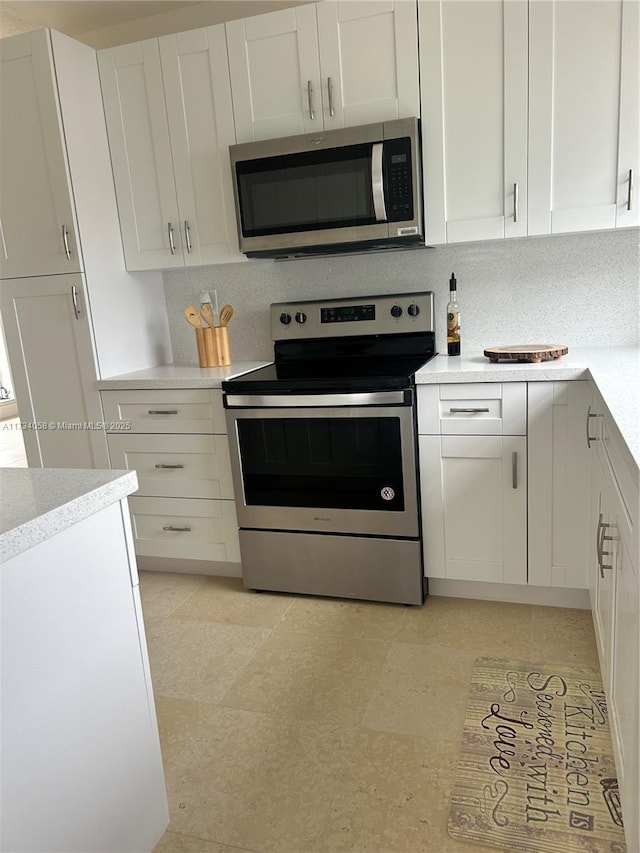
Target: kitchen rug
{"x":536,"y":770}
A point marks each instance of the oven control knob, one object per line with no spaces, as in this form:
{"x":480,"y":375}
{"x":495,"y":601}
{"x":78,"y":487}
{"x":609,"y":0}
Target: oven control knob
{"x":285,"y":319}
{"x":301,"y":317}
{"x":396,"y":311}
{"x":413,"y":310}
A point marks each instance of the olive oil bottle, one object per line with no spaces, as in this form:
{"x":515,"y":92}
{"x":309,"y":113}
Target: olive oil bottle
{"x":453,"y":319}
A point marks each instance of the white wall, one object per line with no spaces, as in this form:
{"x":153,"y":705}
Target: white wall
{"x":577,"y":290}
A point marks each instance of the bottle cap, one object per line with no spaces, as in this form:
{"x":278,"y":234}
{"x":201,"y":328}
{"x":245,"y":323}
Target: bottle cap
{"x":453,"y":285}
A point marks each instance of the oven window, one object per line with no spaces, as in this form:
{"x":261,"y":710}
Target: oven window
{"x":341,"y":463}
{"x":296,"y":192}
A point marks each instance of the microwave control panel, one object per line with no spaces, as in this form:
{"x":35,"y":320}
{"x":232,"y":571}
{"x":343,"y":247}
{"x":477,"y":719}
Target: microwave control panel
{"x":398,"y":180}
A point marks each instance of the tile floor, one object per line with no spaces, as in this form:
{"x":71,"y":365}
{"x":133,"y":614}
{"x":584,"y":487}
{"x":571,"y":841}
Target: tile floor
{"x":306,"y":725}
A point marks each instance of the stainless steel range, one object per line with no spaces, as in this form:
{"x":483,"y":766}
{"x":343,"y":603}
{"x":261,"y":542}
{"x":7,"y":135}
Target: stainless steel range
{"x":324,"y":451}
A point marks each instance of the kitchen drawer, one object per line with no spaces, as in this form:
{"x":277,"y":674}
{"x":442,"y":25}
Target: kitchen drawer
{"x":203,"y":529}
{"x":179,"y":411}
{"x":179,"y":466}
{"x":473,"y":408}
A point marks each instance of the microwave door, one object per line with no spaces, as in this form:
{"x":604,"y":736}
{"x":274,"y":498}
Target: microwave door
{"x":309,"y":198}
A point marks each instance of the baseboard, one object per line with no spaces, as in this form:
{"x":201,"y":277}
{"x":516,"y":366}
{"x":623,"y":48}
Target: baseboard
{"x":190,"y":567}
{"x":514,"y":593}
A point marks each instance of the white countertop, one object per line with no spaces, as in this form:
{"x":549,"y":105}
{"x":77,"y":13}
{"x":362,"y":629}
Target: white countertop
{"x":614,"y":370}
{"x":172,"y":376}
{"x":37,"y":503}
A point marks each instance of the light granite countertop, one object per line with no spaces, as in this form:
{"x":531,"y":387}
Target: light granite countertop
{"x":614,"y":370}
{"x":37,"y":503}
{"x":173,"y":376}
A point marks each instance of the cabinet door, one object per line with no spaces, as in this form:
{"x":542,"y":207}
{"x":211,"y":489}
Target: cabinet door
{"x":37,"y":218}
{"x":474,"y":504}
{"x":603,"y":570}
{"x":49,"y":344}
{"x":584,"y":93}
{"x":473,"y":69}
{"x":625,"y":690}
{"x":275,"y":74}
{"x":368,"y":61}
{"x":198,"y":98}
{"x":559,"y":479}
{"x":133,"y":94}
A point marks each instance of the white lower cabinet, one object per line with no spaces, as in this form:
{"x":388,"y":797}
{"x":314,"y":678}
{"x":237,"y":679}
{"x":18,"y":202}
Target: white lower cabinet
{"x":183,"y":514}
{"x":473,"y":480}
{"x":48,"y":334}
{"x":558,"y":500}
{"x":185,"y":529}
{"x":615,"y":601}
{"x":80,"y":759}
{"x":474,"y":498}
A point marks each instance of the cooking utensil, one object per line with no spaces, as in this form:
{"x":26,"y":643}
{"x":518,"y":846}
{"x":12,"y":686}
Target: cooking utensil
{"x":192,"y":317}
{"x":206,"y":312}
{"x":226,"y":313}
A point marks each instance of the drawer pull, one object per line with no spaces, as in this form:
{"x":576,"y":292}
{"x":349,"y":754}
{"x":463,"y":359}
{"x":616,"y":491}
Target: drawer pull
{"x":467,"y":410}
{"x":161,"y":465}
{"x":177,"y":529}
{"x":163,"y":411}
{"x":514,"y":470}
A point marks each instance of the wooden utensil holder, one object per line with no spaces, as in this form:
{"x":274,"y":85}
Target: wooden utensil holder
{"x":213,"y":346}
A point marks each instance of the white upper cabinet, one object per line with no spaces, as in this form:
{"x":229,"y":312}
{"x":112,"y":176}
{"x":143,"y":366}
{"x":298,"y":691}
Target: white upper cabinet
{"x":332,"y":64}
{"x":170,"y":124}
{"x":275,"y":74}
{"x":37,"y":215}
{"x":368,"y":61}
{"x":584,"y":115}
{"x":473,"y":67}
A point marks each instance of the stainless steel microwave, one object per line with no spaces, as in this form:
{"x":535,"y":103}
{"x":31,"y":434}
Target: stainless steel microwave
{"x":343,"y":190}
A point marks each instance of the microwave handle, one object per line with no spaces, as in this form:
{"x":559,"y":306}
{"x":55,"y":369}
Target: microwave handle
{"x":377,"y":186}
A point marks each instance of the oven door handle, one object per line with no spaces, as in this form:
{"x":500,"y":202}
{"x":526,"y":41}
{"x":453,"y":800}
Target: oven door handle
{"x":289,"y":401}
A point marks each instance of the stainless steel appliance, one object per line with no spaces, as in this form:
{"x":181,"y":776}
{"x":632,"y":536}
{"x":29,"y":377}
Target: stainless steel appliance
{"x":341,"y":190}
{"x":323,"y":449}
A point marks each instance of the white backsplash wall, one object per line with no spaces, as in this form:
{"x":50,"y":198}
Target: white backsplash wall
{"x":576,"y":290}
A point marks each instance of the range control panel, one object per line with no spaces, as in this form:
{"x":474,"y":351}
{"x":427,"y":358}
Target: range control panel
{"x":345,"y":317}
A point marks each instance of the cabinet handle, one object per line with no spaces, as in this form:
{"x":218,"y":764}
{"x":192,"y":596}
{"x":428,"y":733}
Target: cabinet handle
{"x":630,"y":191}
{"x":332,"y":111}
{"x":177,"y":529}
{"x":515,"y":202}
{"x":590,"y":415}
{"x":74,"y":299}
{"x":187,"y":236}
{"x":65,"y":241}
{"x":455,"y":411}
{"x":514,"y":470}
{"x":160,"y":465}
{"x":163,"y":411}
{"x":601,"y":538}
{"x":312,"y":112}
{"x":172,"y":245}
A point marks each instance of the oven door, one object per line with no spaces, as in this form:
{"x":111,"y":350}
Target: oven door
{"x":343,"y":463}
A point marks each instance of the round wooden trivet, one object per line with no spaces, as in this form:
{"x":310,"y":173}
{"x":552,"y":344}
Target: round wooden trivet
{"x":534,"y":353}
